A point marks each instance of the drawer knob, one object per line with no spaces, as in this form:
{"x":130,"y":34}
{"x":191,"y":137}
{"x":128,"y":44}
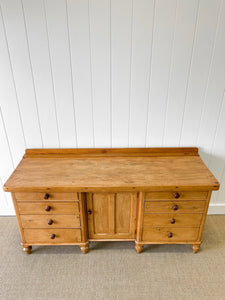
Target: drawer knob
{"x":172,"y":221}
{"x":175,"y":207}
{"x":46,"y":196}
{"x":50,"y":222}
{"x":52,"y":236}
{"x":48,"y":208}
{"x":176,"y":195}
{"x":170,"y":234}
{"x":89,"y":212}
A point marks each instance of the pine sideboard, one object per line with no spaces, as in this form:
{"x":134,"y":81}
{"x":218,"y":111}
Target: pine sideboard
{"x":145,"y":195}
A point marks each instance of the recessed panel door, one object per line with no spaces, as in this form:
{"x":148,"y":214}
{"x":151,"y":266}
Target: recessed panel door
{"x":111,"y":215}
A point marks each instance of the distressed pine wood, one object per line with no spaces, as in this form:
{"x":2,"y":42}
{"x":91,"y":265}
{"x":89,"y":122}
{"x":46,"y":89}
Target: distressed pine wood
{"x":195,"y":247}
{"x":171,"y":196}
{"x":160,"y":234}
{"x":140,"y":215}
{"x":139,"y":223}
{"x":111,"y":215}
{"x":139,"y":247}
{"x":172,"y":220}
{"x":52,"y":197}
{"x":98,"y":213}
{"x":84,"y":246}
{"x":108,"y":152}
{"x":167,"y":206}
{"x":73,"y":196}
{"x":30,"y":208}
{"x":173,"y":170}
{"x":18,"y":219}
{"x":42,"y":236}
{"x":125,"y":213}
{"x":58,"y":221}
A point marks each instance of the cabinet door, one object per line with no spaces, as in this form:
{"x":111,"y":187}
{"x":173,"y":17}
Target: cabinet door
{"x":111,"y":215}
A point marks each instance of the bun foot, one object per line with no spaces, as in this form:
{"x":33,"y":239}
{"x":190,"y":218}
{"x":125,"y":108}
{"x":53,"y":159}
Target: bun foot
{"x":195,"y":248}
{"x":27,"y":249}
{"x":139,"y":247}
{"x":84,"y":247}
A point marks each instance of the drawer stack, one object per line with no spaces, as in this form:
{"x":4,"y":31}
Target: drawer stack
{"x":173,"y":217}
{"x":49,"y":218}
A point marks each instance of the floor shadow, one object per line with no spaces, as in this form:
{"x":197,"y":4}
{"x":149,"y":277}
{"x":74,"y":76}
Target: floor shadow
{"x":163,"y":248}
{"x":108,"y":245}
{"x":63,"y":249}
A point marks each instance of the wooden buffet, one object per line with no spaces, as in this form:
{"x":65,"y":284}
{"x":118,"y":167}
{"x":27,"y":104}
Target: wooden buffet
{"x":146,"y":195}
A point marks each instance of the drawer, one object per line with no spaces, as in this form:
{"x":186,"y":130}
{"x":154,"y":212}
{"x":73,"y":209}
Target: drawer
{"x":172,"y":220}
{"x":46,"y":208}
{"x":50,"y":221}
{"x":161,"y":234}
{"x":43,"y":236}
{"x":46,"y":196}
{"x":174,"y":206}
{"x":151,"y":196}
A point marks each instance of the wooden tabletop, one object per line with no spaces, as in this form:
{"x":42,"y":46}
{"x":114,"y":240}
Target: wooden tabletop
{"x":142,"y":169}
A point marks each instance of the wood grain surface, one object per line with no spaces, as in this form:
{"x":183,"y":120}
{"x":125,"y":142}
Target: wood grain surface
{"x":172,"y":220}
{"x":152,"y":196}
{"x":36,"y":208}
{"x":57,"y":221}
{"x":160,"y":234}
{"x":168,"y":206}
{"x":51,"y":196}
{"x":162,"y":171}
{"x":43,"y":236}
{"x":111,"y":215}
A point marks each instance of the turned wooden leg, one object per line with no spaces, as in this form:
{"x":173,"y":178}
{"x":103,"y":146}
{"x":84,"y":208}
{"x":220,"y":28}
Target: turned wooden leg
{"x":27,"y":249}
{"x":84,"y":247}
{"x":195,"y":248}
{"x":139,"y":247}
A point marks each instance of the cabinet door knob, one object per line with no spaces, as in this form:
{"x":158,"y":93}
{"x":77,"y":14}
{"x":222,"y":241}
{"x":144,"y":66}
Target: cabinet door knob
{"x":175,"y":207}
{"x":48,"y":208}
{"x":89,"y":212}
{"x":46,"y":196}
{"x":172,"y":221}
{"x":52,"y":236}
{"x":170,"y":234}
{"x":50,"y":222}
{"x":176,"y":195}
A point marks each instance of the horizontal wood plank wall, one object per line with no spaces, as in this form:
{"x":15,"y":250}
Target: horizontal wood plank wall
{"x":110,"y":73}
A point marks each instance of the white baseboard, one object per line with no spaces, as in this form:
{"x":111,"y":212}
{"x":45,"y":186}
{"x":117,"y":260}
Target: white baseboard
{"x":7,"y":211}
{"x":216,"y":209}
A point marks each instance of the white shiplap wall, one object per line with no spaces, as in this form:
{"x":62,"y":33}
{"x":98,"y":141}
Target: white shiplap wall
{"x":112,"y":73}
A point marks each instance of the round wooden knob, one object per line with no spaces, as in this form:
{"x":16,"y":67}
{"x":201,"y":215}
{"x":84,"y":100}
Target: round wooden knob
{"x":170,"y":234}
{"x":175,"y":207}
{"x":50,"y":222}
{"x":52,"y":236}
{"x":172,"y":221}
{"x":89,"y":212}
{"x":46,"y":196}
{"x":48,"y":208}
{"x":176,"y":195}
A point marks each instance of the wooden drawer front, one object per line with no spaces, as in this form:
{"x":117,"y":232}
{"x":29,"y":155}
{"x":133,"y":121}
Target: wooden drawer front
{"x":172,"y":196}
{"x":51,"y":196}
{"x":43,"y":236}
{"x":170,"y":207}
{"x":50,"y":221}
{"x":36,"y":208}
{"x":160,"y":234}
{"x":172,"y":220}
